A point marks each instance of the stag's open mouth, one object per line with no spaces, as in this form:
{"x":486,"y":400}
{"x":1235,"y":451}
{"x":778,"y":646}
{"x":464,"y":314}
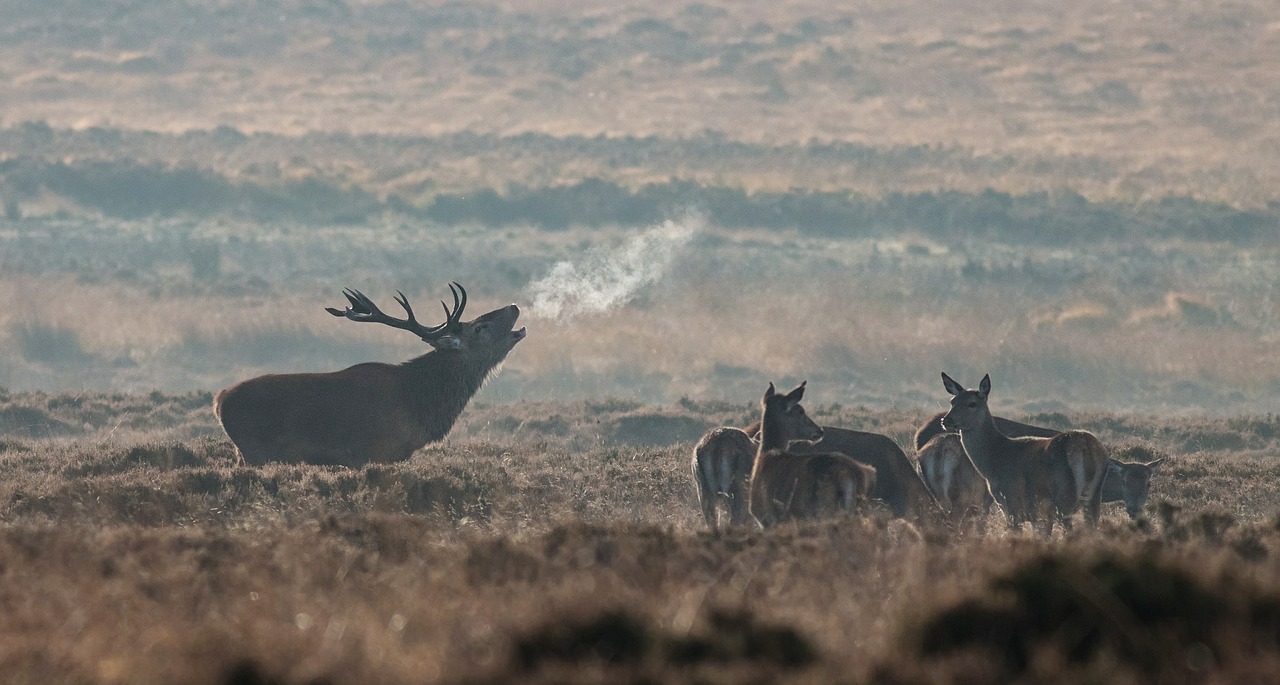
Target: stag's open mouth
{"x":519,"y":334}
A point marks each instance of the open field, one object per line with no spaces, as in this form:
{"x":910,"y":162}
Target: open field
{"x":135,"y":550}
{"x":687,"y":200}
{"x":1079,"y":200}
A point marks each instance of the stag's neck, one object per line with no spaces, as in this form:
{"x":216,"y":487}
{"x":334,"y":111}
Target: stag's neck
{"x":438,"y":386}
{"x":986,"y":446}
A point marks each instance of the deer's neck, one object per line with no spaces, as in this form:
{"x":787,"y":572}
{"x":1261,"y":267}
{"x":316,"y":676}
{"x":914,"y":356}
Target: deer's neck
{"x":772,"y":434}
{"x":986,"y":446}
{"x":438,"y":386}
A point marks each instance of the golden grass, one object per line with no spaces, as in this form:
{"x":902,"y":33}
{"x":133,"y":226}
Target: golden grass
{"x":526,"y":552}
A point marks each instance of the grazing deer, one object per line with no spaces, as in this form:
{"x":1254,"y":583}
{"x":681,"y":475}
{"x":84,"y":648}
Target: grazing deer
{"x":1129,"y":482}
{"x":1033,"y":479}
{"x":370,"y":412}
{"x":721,"y":464}
{"x":786,"y":485}
{"x":897,"y":483}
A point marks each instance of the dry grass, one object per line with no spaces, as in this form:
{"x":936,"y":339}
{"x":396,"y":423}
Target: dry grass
{"x":522,"y":551}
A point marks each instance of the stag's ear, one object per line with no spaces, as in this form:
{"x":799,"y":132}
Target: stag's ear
{"x":448,"y":342}
{"x":797,"y":394}
{"x":952,"y":387}
{"x":984,"y":388}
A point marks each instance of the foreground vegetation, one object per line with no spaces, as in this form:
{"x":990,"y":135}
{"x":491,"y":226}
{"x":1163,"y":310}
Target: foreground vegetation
{"x":562,"y":543}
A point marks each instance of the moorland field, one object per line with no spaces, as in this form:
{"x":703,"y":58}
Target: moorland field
{"x":688,"y":200}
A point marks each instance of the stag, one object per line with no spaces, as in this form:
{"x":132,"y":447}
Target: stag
{"x":371,"y":412}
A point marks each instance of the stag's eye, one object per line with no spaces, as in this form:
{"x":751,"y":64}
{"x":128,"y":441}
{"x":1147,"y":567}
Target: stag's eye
{"x":973,"y":405}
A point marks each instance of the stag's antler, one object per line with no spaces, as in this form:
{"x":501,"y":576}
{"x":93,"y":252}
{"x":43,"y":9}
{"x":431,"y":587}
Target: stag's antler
{"x":363,"y":310}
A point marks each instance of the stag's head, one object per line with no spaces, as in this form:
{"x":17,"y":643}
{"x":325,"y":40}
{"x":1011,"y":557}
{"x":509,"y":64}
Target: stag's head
{"x":968,"y":407}
{"x":488,"y":336}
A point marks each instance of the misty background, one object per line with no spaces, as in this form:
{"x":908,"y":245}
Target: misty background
{"x":687,"y":200}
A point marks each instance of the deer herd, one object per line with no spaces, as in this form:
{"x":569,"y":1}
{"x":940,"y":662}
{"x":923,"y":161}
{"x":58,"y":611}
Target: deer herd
{"x":788,"y":467}
{"x":783,"y":467}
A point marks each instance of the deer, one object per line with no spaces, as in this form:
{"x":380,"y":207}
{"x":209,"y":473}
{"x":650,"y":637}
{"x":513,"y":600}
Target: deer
{"x":958,"y":487}
{"x":1033,"y":479}
{"x":786,"y":485}
{"x":721,"y":465}
{"x":1129,"y":482}
{"x":1011,"y":428}
{"x":897,"y":485}
{"x":372,"y":412}
{"x":961,"y":490}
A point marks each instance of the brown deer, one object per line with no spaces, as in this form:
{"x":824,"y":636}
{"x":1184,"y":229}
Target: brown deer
{"x":721,"y":465}
{"x":786,"y":485}
{"x":950,"y":476}
{"x":370,"y":412}
{"x":961,"y":490}
{"x":1011,"y":428}
{"x":897,"y":483}
{"x":1129,"y":482}
{"x":1033,"y":479}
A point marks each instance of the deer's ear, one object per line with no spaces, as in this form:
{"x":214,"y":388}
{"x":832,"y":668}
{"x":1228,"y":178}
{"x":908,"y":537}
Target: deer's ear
{"x":448,"y":342}
{"x":797,"y":394}
{"x":984,"y":388}
{"x":949,"y":383}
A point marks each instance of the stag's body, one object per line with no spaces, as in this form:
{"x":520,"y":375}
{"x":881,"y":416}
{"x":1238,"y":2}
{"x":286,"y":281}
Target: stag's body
{"x":370,"y":412}
{"x":1033,"y":479}
{"x":897,"y":483}
{"x":786,"y":485}
{"x":721,"y":465}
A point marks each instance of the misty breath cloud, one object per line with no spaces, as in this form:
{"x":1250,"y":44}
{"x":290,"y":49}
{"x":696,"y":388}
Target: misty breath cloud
{"x":606,"y":278}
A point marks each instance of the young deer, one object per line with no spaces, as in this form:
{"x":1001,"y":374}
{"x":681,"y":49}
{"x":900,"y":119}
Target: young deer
{"x":897,"y":484}
{"x":1129,"y":482}
{"x":1033,"y":479}
{"x":786,"y":485}
{"x":721,"y":465}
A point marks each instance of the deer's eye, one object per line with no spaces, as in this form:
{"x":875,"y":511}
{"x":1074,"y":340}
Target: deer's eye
{"x":972,"y":404}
